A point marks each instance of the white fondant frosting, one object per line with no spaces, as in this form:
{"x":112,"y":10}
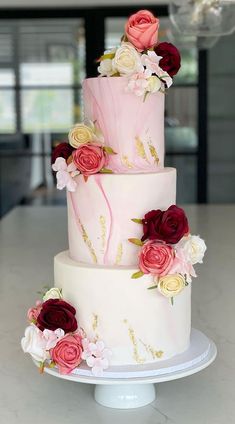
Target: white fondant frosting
{"x":132,"y":127}
{"x":101,"y":210}
{"x":137,"y":324}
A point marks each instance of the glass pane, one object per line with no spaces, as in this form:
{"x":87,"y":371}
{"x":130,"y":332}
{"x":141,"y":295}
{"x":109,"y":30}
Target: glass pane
{"x":181,"y":119}
{"x":47,"y":110}
{"x":186,"y":177}
{"x":187,"y":46}
{"x":52,"y":52}
{"x":41,"y":74}
{"x":7,"y":77}
{"x":7,"y":112}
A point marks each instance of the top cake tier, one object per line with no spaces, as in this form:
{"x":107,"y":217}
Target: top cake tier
{"x":131,"y":126}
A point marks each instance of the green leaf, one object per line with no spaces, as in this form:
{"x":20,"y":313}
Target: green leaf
{"x":106,"y":171}
{"x":152,"y":287}
{"x":137,"y":220}
{"x":109,"y":150}
{"x":172,"y":301}
{"x":145,"y":95}
{"x":107,"y":56}
{"x":41,"y":367}
{"x":136,"y":241}
{"x":137,"y":274}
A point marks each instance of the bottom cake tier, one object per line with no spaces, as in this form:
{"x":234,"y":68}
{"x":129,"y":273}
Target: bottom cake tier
{"x":137,"y":324}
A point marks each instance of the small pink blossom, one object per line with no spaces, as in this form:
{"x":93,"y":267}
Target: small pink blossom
{"x":182,"y":266}
{"x":52,"y":337}
{"x":33,"y":313}
{"x":151,"y":62}
{"x":138,"y":83}
{"x":65,"y":174}
{"x":96,"y":355}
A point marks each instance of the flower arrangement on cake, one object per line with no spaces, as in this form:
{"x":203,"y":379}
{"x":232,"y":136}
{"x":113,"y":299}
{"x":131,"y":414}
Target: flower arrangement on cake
{"x":168,"y":250}
{"x":85,"y":154}
{"x":54,"y":339}
{"x":148,"y":64}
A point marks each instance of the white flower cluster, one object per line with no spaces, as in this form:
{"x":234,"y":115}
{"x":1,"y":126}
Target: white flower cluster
{"x":143,"y":70}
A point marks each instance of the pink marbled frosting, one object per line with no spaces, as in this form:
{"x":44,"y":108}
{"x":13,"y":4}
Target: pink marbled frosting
{"x":125,"y":118}
{"x":101,"y":209}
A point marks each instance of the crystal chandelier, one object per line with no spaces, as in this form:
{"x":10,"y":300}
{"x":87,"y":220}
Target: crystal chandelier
{"x":203,"y":18}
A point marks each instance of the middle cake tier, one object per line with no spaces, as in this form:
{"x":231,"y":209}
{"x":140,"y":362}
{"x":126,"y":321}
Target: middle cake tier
{"x":101,"y":210}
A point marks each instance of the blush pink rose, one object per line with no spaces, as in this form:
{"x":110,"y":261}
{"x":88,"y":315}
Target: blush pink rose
{"x":89,"y":159}
{"x":156,"y":258}
{"x":67,"y":354}
{"x":142,"y":30}
{"x":33,"y":313}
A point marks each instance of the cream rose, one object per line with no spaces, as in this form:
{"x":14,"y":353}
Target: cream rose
{"x":53,"y":293}
{"x":171,"y":285}
{"x":127,"y":60}
{"x":194,"y":248}
{"x":80,"y":134}
{"x":154,"y":84}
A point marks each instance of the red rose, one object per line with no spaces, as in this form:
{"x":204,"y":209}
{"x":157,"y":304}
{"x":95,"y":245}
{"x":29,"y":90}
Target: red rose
{"x":169,"y":226}
{"x":67,"y":353}
{"x":57,"y":313}
{"x":63,"y":150}
{"x":156,"y":258}
{"x":89,"y":158}
{"x":150,"y":222}
{"x":170,"y":61}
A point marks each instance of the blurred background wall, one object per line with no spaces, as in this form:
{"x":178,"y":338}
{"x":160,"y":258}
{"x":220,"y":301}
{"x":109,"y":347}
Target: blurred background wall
{"x":48,"y":48}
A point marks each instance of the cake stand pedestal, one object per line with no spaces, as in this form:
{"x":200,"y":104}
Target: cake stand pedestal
{"x":134,"y":386}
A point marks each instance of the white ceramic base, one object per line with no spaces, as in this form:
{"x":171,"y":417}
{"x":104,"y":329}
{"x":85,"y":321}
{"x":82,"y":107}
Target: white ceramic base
{"x":132,"y":386}
{"x":125,"y":396}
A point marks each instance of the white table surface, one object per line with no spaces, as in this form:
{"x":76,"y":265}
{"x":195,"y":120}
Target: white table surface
{"x":29,"y":238}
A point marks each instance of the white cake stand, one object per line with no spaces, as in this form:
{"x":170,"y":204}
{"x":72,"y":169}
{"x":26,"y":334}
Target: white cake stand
{"x":133,"y":386}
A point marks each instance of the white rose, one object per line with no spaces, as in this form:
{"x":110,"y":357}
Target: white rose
{"x":106,"y":68}
{"x":34,"y":343}
{"x":194,"y":248}
{"x":154,"y":84}
{"x":53,"y":293}
{"x":127,"y":60}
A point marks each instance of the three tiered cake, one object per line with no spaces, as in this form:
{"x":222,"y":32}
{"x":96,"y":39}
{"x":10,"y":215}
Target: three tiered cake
{"x":127,"y":273}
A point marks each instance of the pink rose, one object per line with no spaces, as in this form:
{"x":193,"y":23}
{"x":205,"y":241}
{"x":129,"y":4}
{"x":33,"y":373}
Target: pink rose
{"x":67,"y":354}
{"x":89,"y":158}
{"x":33,"y":313}
{"x":156,"y":258}
{"x":142,"y":30}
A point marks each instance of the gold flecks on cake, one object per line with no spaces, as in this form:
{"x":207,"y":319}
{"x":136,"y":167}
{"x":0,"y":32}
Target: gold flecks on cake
{"x":126,"y":161}
{"x":140,"y":149}
{"x":88,"y":242}
{"x":149,"y":349}
{"x":103,"y":231}
{"x":153,"y":152}
{"x":138,"y":359}
{"x":95,"y":325}
{"x":119,"y":254}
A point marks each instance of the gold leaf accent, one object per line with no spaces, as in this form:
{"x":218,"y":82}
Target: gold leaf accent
{"x":149,"y":349}
{"x":88,"y":242}
{"x":95,"y":325}
{"x":138,"y":359}
{"x":119,"y":254}
{"x":103,"y":230}
{"x":126,"y":161}
{"x":140,"y":149}
{"x":153,"y":152}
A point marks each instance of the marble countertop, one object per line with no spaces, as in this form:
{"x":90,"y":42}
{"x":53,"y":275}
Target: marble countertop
{"x":29,"y":238}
